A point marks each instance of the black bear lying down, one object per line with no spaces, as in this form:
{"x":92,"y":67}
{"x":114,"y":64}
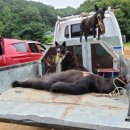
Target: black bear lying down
{"x":71,"y":82}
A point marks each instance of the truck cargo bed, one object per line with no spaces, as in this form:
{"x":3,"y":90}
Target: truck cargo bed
{"x":62,"y":111}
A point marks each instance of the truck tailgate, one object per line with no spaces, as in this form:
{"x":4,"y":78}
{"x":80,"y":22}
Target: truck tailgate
{"x":45,"y":109}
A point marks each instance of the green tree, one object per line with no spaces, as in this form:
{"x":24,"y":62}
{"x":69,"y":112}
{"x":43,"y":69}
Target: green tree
{"x":28,"y":19}
{"x":66,"y":11}
{"x":33,"y":31}
{"x":2,"y":28}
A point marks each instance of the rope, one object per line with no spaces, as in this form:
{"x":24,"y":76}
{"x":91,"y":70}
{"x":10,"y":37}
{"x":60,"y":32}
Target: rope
{"x":117,"y":91}
{"x":100,"y":24}
{"x":58,"y":60}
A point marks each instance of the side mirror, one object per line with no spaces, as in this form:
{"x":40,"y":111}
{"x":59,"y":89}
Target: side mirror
{"x":123,"y":38}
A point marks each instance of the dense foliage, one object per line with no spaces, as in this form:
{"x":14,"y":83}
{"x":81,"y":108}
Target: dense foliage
{"x":26,"y":19}
{"x":66,"y":11}
{"x":31,"y":20}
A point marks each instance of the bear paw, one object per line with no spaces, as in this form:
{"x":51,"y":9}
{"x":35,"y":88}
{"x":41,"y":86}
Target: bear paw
{"x":55,"y":88}
{"x":16,"y":84}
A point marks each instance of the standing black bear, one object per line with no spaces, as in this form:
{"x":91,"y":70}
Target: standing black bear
{"x":73,"y":82}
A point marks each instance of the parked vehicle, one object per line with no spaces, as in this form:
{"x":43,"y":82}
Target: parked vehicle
{"x":94,"y":54}
{"x":14,"y":51}
{"x":61,"y":111}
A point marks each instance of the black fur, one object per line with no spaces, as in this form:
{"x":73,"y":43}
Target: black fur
{"x":69,"y":62}
{"x":91,"y":23}
{"x":70,"y":82}
{"x":61,"y":49}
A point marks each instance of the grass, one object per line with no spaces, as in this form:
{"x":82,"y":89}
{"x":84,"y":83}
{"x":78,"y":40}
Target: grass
{"x":127,"y":44}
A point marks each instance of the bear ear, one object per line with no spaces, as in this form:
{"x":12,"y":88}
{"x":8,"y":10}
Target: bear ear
{"x":56,"y":44}
{"x":64,"y":44}
{"x":96,"y":7}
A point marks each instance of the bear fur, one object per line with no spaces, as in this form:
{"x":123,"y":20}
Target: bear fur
{"x":73,"y":82}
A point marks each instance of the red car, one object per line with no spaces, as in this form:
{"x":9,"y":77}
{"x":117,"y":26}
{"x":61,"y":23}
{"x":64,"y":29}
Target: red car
{"x":14,"y":51}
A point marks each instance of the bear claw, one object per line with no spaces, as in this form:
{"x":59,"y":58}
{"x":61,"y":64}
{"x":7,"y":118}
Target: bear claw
{"x":16,"y":84}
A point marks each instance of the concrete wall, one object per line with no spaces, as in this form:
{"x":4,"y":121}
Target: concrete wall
{"x":17,"y":72}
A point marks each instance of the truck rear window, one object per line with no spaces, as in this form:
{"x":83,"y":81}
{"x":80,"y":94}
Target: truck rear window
{"x":75,"y":31}
{"x":21,"y":47}
{"x":66,"y":34}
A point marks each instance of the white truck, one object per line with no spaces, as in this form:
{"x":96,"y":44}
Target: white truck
{"x":61,"y":111}
{"x":68,"y":29}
